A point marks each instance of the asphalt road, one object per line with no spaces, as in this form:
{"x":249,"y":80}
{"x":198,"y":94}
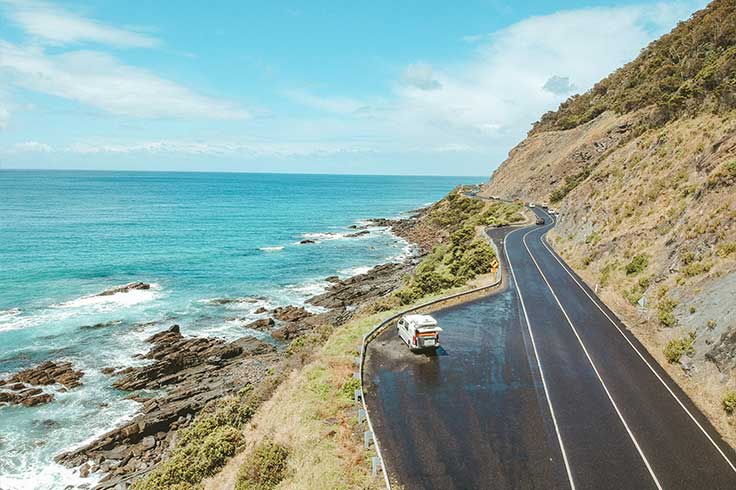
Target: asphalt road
{"x":537,"y":386}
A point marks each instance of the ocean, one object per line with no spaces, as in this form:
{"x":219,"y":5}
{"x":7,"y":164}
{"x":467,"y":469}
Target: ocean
{"x":196,"y":238}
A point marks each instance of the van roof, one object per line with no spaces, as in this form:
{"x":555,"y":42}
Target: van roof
{"x":421,"y":319}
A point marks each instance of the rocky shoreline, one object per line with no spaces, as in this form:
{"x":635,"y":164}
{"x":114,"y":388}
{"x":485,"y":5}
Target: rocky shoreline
{"x":186,"y":373}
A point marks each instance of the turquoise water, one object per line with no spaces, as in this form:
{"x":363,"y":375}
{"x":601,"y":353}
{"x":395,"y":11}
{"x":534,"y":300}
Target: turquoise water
{"x":65,"y":236}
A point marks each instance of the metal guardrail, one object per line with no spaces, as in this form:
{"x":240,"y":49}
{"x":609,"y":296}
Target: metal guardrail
{"x":378,"y":328}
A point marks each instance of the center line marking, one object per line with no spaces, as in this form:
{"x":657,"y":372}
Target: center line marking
{"x":539,"y":364}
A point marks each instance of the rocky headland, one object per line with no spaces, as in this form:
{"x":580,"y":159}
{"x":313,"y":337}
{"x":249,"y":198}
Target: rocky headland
{"x":185,"y":374}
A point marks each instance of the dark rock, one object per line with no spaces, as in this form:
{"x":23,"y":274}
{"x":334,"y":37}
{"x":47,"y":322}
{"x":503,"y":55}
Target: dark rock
{"x":125,"y":288}
{"x":260,"y":310}
{"x":723,"y":352}
{"x":332,"y":279}
{"x":111,"y":323}
{"x":182,"y":365}
{"x":32,"y":401}
{"x":307,"y":241}
{"x":49,"y":373}
{"x":230,"y":301}
{"x":262,"y":324}
{"x":290,"y":313}
{"x":357,"y":234}
{"x":22,"y":387}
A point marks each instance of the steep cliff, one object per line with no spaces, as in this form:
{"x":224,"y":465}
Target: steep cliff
{"x":643,"y":170}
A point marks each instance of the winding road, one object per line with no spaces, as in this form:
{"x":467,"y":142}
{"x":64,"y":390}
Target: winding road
{"x":538,"y":386}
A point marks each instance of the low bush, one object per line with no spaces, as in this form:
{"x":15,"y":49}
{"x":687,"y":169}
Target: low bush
{"x":347,"y":390}
{"x":265,"y":468}
{"x":697,"y":268}
{"x":676,"y":348}
{"x":638,"y":263}
{"x":665,"y":311}
{"x":726,"y":249}
{"x":205,"y":446}
{"x":450,"y":265}
{"x":729,"y":402}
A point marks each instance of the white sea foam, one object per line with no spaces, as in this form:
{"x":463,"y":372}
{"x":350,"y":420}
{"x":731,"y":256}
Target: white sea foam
{"x":329,"y":235}
{"x":275,"y":248}
{"x":354,"y":271}
{"x":112,"y":301}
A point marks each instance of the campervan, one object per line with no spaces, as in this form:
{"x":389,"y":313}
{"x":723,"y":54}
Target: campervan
{"x":419,"y":332}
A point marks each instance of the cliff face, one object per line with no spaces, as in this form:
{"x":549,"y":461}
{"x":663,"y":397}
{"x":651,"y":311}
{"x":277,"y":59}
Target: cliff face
{"x":648,"y":202}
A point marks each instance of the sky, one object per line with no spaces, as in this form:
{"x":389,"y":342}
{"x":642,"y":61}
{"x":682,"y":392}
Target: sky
{"x":381,"y":87}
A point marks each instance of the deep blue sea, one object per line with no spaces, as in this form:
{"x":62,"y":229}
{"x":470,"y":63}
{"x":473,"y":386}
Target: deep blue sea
{"x":67,"y":235}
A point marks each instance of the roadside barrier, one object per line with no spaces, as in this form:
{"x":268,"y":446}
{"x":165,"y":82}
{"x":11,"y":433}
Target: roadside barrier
{"x":369,"y":436}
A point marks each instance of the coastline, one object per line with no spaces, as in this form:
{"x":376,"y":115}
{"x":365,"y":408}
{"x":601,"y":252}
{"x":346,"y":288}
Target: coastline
{"x":142,"y":439}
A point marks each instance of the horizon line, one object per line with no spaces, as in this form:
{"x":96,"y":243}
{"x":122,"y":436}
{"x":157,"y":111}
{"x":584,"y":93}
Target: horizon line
{"x":21,"y":169}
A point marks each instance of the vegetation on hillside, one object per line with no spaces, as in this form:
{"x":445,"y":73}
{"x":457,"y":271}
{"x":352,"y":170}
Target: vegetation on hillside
{"x":690,"y":70}
{"x":264,"y":468}
{"x":205,"y":446}
{"x":465,"y":254}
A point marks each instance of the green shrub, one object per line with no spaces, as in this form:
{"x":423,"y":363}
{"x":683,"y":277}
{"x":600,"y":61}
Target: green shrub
{"x":265,"y":468}
{"x":347,"y":390}
{"x":606,"y":273}
{"x":676,"y":348}
{"x":697,"y":268}
{"x":726,"y":249}
{"x":665,"y":309}
{"x":638,"y":263}
{"x":205,"y":446}
{"x":729,"y":402}
{"x":463,"y":258}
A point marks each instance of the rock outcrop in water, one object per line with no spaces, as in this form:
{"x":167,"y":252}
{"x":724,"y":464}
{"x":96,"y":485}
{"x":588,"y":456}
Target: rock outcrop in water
{"x":22,"y":387}
{"x":125,"y":288}
{"x":196,"y":371}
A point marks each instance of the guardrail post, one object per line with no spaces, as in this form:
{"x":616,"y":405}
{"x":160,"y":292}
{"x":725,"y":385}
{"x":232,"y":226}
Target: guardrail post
{"x":356,"y":376}
{"x":361,"y":415}
{"x":358,"y":395}
{"x":367,"y":439}
{"x":375,"y":465}
{"x":357,"y":361}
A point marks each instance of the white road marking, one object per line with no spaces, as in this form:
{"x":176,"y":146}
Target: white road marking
{"x":682,"y":405}
{"x":595,"y":369}
{"x":539,"y":365}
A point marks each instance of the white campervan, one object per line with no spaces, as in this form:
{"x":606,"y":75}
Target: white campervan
{"x":419,"y":332}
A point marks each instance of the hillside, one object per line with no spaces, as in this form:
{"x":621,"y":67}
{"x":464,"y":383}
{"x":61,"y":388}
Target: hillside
{"x":643,"y":170}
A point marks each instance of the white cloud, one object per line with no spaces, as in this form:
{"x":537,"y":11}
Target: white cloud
{"x":58,"y":26}
{"x":223,"y":148}
{"x":99,"y":80}
{"x":491,"y":100}
{"x":31,"y":147}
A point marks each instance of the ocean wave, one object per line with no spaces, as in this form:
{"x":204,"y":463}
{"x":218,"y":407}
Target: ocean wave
{"x":274,"y":248}
{"x":325,"y":236}
{"x":106,"y":302}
